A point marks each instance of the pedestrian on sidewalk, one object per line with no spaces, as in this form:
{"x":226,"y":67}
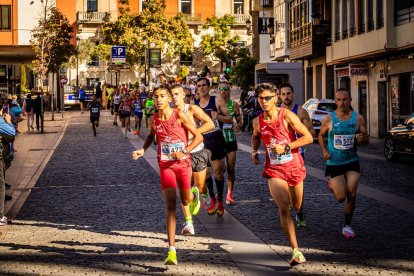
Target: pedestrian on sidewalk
{"x":284,"y":167}
{"x":28,"y":111}
{"x":94,"y":107}
{"x":82,"y":98}
{"x":345,"y":129}
{"x":8,"y":132}
{"x":37,"y":109}
{"x":98,"y":92}
{"x":171,"y":127}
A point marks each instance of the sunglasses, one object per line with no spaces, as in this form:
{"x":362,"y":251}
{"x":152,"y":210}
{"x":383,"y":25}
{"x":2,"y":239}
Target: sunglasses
{"x":201,"y":85}
{"x":268,"y":98}
{"x":224,"y":88}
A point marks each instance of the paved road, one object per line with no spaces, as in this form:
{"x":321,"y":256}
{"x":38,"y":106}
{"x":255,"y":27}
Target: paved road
{"x":95,"y":211}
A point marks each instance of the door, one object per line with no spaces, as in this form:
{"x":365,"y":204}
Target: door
{"x":382,"y":109}
{"x":362,"y":95}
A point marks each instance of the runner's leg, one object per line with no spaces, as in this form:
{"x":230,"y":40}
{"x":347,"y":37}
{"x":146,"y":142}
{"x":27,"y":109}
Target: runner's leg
{"x":352,"y":181}
{"x":338,"y":184}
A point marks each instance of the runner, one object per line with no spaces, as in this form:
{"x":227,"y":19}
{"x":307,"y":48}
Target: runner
{"x":345,"y":129}
{"x":171,"y":125}
{"x":215,"y":143}
{"x":199,"y":156}
{"x":95,"y":107}
{"x":284,"y":168}
{"x":149,"y":107}
{"x":138,"y":113}
{"x":230,"y":137}
{"x":116,"y":100}
{"x":125,"y":110}
{"x":82,"y":98}
{"x":286,"y":95}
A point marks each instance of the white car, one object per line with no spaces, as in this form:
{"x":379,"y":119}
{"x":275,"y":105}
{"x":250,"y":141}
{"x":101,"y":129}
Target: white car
{"x":317,"y":109}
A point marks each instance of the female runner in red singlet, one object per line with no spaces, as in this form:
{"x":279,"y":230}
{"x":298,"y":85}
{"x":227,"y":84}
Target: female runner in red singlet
{"x":170,"y":127}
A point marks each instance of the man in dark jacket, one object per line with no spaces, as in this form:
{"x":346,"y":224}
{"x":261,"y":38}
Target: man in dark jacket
{"x":37,"y":109}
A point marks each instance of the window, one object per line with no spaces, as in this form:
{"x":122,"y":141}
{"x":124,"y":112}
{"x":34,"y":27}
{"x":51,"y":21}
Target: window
{"x":5,"y":17}
{"x":238,"y":7}
{"x":186,"y":6}
{"x":344,"y":19}
{"x":403,"y":12}
{"x":380,"y":14}
{"x":351,"y":18}
{"x":92,"y":6}
{"x":337,"y":18}
{"x":361,"y":16}
{"x":370,"y":10}
{"x":186,"y":59}
{"x":94,"y":61}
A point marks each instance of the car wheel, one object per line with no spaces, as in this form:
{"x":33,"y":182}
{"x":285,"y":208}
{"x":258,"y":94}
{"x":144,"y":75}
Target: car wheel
{"x":389,"y":150}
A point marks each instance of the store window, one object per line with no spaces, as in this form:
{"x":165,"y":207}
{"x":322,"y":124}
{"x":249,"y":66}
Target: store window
{"x":5,"y":17}
{"x":92,"y":5}
{"x":403,"y":12}
{"x":94,"y":61}
{"x":380,"y":14}
{"x":186,"y":6}
{"x":238,"y":7}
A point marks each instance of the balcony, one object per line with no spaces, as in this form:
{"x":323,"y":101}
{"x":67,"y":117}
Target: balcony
{"x":266,"y":3}
{"x":241,"y":18}
{"x":193,"y":19}
{"x":92,"y":17}
{"x":309,"y":41}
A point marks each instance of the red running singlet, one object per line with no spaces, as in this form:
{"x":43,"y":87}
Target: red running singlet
{"x":287,"y":166}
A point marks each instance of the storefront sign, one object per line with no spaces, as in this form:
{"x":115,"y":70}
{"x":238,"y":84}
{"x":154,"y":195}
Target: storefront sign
{"x":358,"y":70}
{"x":155,"y":58}
{"x":342,"y":72}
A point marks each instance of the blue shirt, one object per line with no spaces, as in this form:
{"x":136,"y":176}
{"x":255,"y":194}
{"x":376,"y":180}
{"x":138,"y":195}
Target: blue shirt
{"x":6,"y":128}
{"x":82,"y":94}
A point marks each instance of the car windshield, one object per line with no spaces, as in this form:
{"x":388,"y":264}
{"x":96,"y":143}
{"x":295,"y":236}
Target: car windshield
{"x":329,"y":107}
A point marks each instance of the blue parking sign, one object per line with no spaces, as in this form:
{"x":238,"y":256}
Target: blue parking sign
{"x":118,"y":54}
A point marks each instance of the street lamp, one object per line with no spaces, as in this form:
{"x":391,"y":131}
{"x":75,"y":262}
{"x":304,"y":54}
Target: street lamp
{"x":77,"y":61}
{"x":316,"y":18}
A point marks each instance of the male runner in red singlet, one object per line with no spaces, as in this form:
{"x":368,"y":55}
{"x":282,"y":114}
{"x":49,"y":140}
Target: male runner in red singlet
{"x":170,"y":126}
{"x":284,"y":167}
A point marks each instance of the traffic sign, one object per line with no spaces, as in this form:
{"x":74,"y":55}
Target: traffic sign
{"x":118,"y":54}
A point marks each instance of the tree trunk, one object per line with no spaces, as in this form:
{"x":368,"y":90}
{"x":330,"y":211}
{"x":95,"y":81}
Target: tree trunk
{"x":52,"y":100}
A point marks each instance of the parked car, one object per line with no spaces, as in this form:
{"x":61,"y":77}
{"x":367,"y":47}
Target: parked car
{"x":400,"y":140}
{"x":317,"y":109}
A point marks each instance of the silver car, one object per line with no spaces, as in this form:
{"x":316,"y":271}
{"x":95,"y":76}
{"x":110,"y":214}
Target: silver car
{"x":317,"y":109}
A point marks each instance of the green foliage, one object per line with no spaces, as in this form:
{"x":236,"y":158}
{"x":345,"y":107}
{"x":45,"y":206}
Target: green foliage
{"x":242,"y":73}
{"x":137,"y":32}
{"x":184,"y":71}
{"x":23,"y":79}
{"x":220,"y":43}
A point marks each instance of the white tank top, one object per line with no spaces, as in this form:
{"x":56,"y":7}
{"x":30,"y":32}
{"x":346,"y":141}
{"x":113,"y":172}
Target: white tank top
{"x":190,"y":135}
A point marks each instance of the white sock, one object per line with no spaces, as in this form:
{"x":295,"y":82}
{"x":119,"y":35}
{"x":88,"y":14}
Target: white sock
{"x":172,"y":248}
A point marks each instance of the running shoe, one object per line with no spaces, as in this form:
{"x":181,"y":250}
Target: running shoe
{"x":206,"y":201}
{"x":348,"y":232}
{"x":230,"y":199}
{"x":188,"y":229}
{"x":220,"y":209}
{"x":195,"y":204}
{"x":297,"y":257}
{"x":330,"y":186}
{"x":300,"y":221}
{"x":3,"y":221}
{"x":212,"y":209}
{"x":171,"y":258}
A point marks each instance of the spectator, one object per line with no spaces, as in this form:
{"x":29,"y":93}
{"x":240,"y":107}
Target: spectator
{"x":82,"y":98}
{"x":28,"y":110}
{"x":98,"y":93}
{"x":37,"y":109}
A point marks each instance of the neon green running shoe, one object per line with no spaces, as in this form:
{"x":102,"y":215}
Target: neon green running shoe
{"x":171,"y":258}
{"x":297,"y":257}
{"x":195,"y":204}
{"x":300,"y":221}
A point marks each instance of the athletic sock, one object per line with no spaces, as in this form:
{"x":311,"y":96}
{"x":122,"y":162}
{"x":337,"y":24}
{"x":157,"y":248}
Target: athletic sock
{"x":348,"y":220}
{"x":171,"y":248}
{"x":220,"y":189}
{"x":209,"y":183}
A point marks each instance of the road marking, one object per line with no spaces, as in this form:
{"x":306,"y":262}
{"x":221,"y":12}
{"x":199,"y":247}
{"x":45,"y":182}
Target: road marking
{"x":250,"y":253}
{"x":384,"y":197}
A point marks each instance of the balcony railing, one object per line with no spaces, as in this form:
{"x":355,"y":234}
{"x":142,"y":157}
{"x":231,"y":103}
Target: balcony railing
{"x":301,"y":35}
{"x":92,"y":17}
{"x":241,"y":18}
{"x":266,"y":3}
{"x":193,"y":18}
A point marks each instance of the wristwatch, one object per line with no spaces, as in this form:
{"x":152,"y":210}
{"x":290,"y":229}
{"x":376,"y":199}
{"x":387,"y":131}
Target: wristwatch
{"x":287,"y":148}
{"x":185,"y":151}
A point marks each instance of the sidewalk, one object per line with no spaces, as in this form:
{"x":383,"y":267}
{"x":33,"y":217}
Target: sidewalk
{"x":33,"y":151}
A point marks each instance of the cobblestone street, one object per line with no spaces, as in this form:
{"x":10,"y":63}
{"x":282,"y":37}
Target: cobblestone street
{"x":94,"y":210}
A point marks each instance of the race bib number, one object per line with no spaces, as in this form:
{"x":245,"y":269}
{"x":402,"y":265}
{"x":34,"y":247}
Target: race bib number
{"x":344,"y":142}
{"x":95,"y":110}
{"x":277,"y":159}
{"x":167,"y":149}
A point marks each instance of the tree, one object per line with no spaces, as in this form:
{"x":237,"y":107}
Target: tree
{"x":183,"y":71}
{"x":221,"y":42}
{"x":242,"y":73}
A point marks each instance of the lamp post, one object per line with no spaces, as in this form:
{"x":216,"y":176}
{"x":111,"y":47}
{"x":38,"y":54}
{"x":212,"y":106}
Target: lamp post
{"x":77,"y":62}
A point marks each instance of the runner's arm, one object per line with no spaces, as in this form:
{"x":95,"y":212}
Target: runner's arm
{"x":300,"y":128}
{"x":151,"y":133}
{"x":237,"y":114}
{"x":198,"y":138}
{"x":223,"y":113}
{"x":255,"y":140}
{"x":305,"y":119}
{"x":362,"y":133}
{"x":203,"y":117}
{"x":326,"y":121}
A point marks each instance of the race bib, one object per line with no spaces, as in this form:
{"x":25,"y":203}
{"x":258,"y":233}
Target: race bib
{"x":277,"y":159}
{"x":167,"y":149}
{"x":137,"y":107}
{"x":344,"y":142}
{"x":227,"y":126}
{"x":216,"y":124}
{"x":95,"y":110}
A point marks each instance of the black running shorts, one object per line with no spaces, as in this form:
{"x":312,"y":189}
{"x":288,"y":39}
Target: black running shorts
{"x":216,"y":144}
{"x":199,"y":160}
{"x":335,"y":170}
